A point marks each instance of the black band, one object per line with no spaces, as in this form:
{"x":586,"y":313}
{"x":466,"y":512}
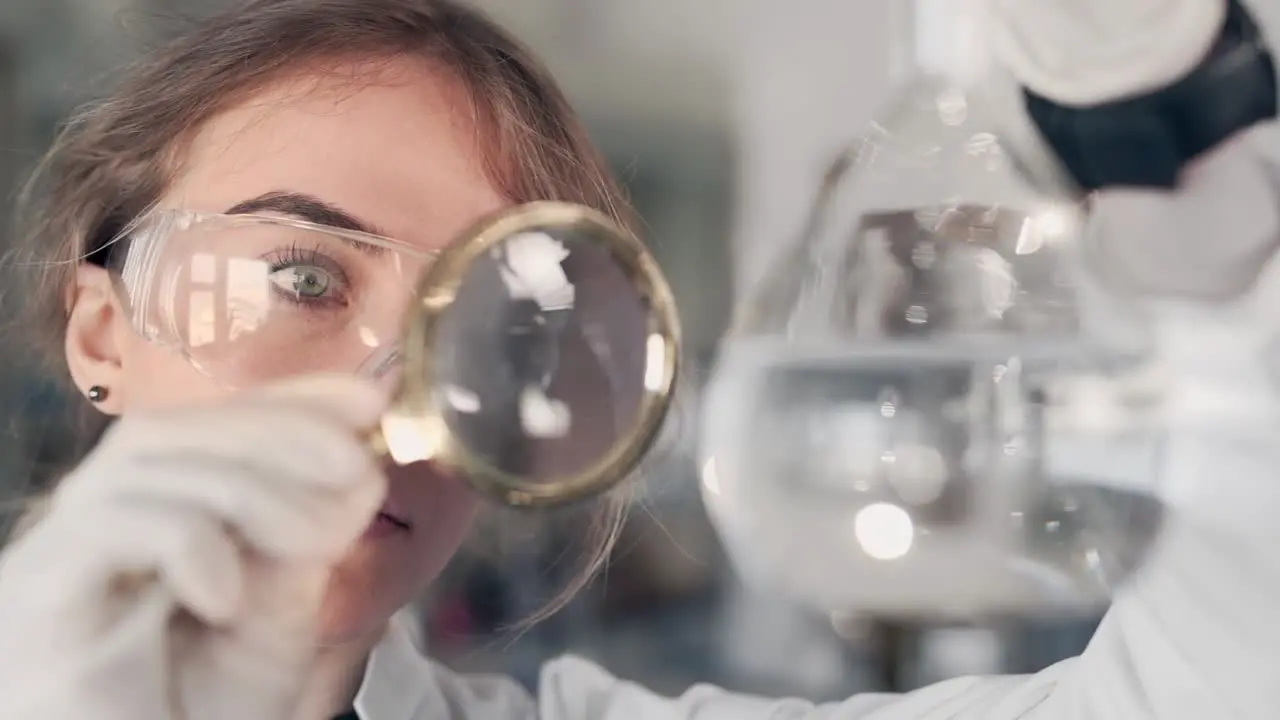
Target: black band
{"x":1145,"y":141}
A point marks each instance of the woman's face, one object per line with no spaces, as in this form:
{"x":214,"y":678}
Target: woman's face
{"x":396,"y":152}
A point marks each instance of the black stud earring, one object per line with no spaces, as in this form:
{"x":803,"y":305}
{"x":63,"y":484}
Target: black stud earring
{"x":97,"y":394}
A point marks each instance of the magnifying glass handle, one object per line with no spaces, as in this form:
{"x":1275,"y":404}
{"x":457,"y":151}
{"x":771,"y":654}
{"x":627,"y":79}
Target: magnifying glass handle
{"x":376,"y":441}
{"x":405,"y":440}
{"x":414,"y":442}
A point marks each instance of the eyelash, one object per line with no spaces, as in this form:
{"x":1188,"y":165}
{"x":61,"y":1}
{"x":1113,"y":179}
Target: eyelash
{"x":297,"y":256}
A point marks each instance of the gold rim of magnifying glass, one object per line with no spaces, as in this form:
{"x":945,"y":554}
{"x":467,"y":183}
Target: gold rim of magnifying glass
{"x":438,"y":289}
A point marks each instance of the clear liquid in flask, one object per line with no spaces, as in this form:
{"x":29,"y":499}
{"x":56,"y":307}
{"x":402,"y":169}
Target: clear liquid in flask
{"x":914,"y":478}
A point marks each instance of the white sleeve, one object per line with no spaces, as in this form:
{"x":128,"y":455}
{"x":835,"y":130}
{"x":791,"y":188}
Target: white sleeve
{"x":576,"y":689}
{"x":1195,"y":634}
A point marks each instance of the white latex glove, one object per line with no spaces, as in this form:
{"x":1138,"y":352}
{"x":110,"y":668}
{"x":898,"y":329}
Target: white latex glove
{"x":180,"y":568}
{"x":1084,"y":52}
{"x":1208,"y":241}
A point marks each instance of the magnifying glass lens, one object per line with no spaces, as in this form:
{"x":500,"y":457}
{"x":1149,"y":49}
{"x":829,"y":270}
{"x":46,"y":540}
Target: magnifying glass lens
{"x":540,"y":360}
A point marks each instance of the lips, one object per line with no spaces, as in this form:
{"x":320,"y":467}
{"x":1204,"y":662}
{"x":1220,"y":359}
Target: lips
{"x":390,"y":518}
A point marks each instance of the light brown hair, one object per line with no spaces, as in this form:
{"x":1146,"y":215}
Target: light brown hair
{"x":116,"y":157}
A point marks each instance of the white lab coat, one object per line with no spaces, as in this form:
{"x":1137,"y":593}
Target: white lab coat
{"x":402,"y":684}
{"x":1194,"y":636}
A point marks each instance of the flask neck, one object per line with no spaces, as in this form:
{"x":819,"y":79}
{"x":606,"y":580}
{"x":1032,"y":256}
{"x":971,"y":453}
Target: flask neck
{"x":941,"y":38}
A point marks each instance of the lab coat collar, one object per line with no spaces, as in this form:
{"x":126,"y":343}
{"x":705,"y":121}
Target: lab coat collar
{"x":399,"y":681}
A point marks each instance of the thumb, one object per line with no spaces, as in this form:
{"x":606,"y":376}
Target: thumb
{"x":255,"y":666}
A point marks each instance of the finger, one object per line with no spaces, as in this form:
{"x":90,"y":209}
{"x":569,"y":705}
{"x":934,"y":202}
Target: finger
{"x":274,"y":516}
{"x":73,"y":558}
{"x":306,"y":429}
{"x":354,"y":402}
{"x":276,"y":443}
{"x":117,"y":675}
{"x":199,"y":563}
{"x":250,"y":668}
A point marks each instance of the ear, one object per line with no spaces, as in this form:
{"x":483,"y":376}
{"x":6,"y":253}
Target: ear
{"x":94,"y":327}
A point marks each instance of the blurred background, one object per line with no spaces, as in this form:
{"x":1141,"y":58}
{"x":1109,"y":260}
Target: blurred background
{"x":720,"y":116}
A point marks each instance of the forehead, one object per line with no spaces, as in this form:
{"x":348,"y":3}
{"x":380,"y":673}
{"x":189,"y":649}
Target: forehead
{"x":396,"y":145}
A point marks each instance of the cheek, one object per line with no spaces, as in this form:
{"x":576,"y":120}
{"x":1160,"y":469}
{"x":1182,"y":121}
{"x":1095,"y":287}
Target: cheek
{"x":154,"y":377}
{"x":443,"y":510}
{"x":379,"y":576}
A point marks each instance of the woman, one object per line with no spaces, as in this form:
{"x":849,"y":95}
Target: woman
{"x":186,"y":567}
{"x":404,"y":119}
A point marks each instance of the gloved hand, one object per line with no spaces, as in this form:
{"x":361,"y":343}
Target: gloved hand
{"x":1084,"y":52}
{"x":179,"y":570}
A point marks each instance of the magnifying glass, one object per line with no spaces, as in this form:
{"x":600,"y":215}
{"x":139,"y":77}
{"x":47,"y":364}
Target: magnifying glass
{"x":540,"y":358}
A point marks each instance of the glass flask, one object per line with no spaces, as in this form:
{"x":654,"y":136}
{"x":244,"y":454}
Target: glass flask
{"x":927,"y":409}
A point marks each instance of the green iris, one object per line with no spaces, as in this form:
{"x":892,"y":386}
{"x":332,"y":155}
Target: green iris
{"x":304,"y":282}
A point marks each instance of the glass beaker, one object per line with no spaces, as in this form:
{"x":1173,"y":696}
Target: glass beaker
{"x":927,"y":408}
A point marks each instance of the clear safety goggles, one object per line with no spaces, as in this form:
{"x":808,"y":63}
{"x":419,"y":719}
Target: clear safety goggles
{"x":249,"y":299}
{"x":536,"y":354}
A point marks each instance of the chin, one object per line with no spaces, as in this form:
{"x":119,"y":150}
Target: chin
{"x":394,"y":561}
{"x":345,"y":621}
{"x":364,"y":592}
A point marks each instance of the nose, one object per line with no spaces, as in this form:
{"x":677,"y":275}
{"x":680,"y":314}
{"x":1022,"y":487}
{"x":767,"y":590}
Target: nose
{"x":385,"y":367}
{"x":404,"y":478}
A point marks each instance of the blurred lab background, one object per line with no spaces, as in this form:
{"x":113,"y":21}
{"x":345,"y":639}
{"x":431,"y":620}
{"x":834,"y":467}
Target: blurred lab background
{"x":720,"y":116}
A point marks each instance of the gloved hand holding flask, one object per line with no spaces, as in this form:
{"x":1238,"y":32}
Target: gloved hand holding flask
{"x":1193,"y":636}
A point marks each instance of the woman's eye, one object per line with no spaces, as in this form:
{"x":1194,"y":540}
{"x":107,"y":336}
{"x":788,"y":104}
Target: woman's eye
{"x":303,"y":282}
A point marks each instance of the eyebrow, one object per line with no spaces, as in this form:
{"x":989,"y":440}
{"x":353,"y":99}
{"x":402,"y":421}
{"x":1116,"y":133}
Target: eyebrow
{"x":305,"y":207}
